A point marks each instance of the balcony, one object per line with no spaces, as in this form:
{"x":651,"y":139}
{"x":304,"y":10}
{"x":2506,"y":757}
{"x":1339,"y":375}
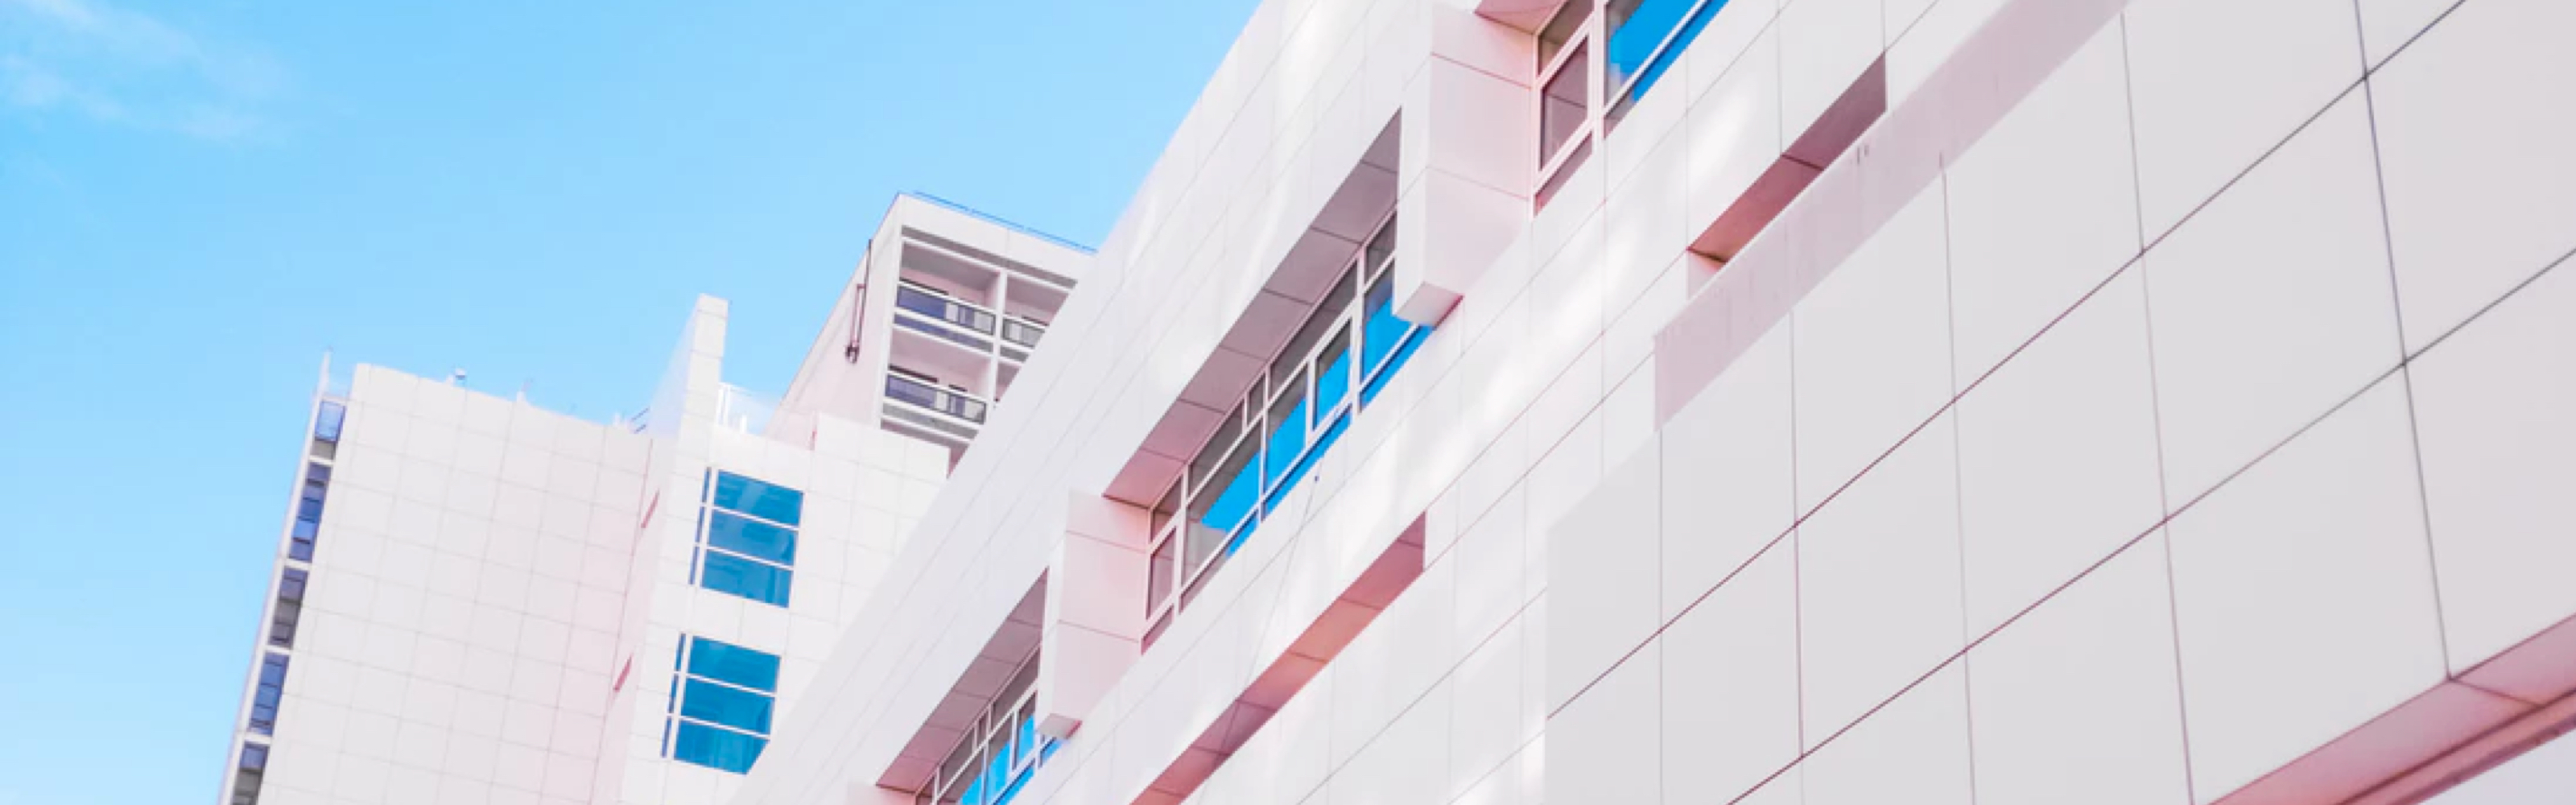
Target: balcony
{"x":1022,"y":332}
{"x":943,"y":401}
{"x":944,"y":317}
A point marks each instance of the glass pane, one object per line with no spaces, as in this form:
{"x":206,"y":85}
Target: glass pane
{"x":1320,"y":320}
{"x":767,"y":501}
{"x":1333,"y":381}
{"x":726,"y":573}
{"x":1381,"y":246}
{"x":726,"y":662}
{"x":1158,"y":575}
{"x":1560,"y":29}
{"x":272,"y":688}
{"x":1562,"y":110}
{"x":1659,"y":62}
{"x":751,"y":537}
{"x":281,"y":624}
{"x":939,"y":307}
{"x":1165,"y":508}
{"x":1380,"y":330}
{"x":327,"y":421}
{"x":732,"y":707}
{"x":1637,"y":28}
{"x":716,"y":748}
{"x":1297,"y":473}
{"x":1212,"y":455}
{"x":1287,"y":430}
{"x":1236,"y":488}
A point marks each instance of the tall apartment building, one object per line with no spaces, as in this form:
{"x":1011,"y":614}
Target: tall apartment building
{"x":479,"y":600}
{"x":1780,"y":402}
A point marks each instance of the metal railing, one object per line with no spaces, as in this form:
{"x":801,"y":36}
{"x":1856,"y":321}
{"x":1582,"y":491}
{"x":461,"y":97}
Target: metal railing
{"x":945,"y":401}
{"x":1021,"y":332}
{"x":741,"y":410}
{"x":944,"y":309}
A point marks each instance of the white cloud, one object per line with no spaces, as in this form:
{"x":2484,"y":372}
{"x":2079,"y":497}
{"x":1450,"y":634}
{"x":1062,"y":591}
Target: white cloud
{"x":116,"y":66}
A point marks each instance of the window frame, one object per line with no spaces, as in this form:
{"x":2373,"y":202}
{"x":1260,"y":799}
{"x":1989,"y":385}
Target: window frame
{"x":1686,"y":28}
{"x":1584,"y":48}
{"x":1607,"y":98}
{"x":675,"y":717}
{"x":1005,"y":730}
{"x":1250,"y":424}
{"x":708,"y":512}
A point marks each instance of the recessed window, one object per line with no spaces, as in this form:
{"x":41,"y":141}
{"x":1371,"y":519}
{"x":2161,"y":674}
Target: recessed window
{"x":1000,"y":751}
{"x":1566,"y":119}
{"x":289,"y":609}
{"x":723,"y":698}
{"x":1333,"y":367}
{"x":1562,"y":28}
{"x":327,"y":419}
{"x":307,"y":527}
{"x":1646,"y":38}
{"x":247,"y":773}
{"x":747,"y":538}
{"x":1594,"y":62}
{"x":272,"y":689}
{"x":1567,"y":104}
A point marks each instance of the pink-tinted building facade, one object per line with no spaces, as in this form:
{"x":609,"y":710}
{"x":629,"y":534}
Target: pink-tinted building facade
{"x":1793,"y":402}
{"x":1821,"y":401}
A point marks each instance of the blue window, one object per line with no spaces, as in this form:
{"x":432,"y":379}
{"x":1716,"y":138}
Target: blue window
{"x":327,"y":421}
{"x":716,"y":748}
{"x":1284,"y":425}
{"x":308,"y":512}
{"x":752,"y":538}
{"x":747,"y":538}
{"x":754,"y":580}
{"x":272,"y":689}
{"x":766,"y":501}
{"x":722,"y":700}
{"x":729,"y":706}
{"x":1001,"y":750}
{"x":732,"y":664}
{"x":1647,"y":38}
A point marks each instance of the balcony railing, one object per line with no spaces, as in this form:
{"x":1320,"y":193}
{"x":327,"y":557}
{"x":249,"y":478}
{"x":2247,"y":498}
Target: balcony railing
{"x":741,"y":410}
{"x":944,"y":401}
{"x":944,"y":309}
{"x":1023,"y":333}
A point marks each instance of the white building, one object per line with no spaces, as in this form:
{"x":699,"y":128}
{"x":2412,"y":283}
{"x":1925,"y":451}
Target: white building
{"x":1790,"y":402}
{"x":482,"y":601}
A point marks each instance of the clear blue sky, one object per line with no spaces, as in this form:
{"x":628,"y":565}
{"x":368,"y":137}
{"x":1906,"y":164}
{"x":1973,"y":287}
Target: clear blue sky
{"x":198,"y":198}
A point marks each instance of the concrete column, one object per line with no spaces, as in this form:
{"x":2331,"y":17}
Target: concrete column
{"x":1095,"y":610}
{"x":1468,"y":158}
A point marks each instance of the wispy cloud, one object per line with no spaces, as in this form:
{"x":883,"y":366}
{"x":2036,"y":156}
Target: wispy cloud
{"x":120,"y":67}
